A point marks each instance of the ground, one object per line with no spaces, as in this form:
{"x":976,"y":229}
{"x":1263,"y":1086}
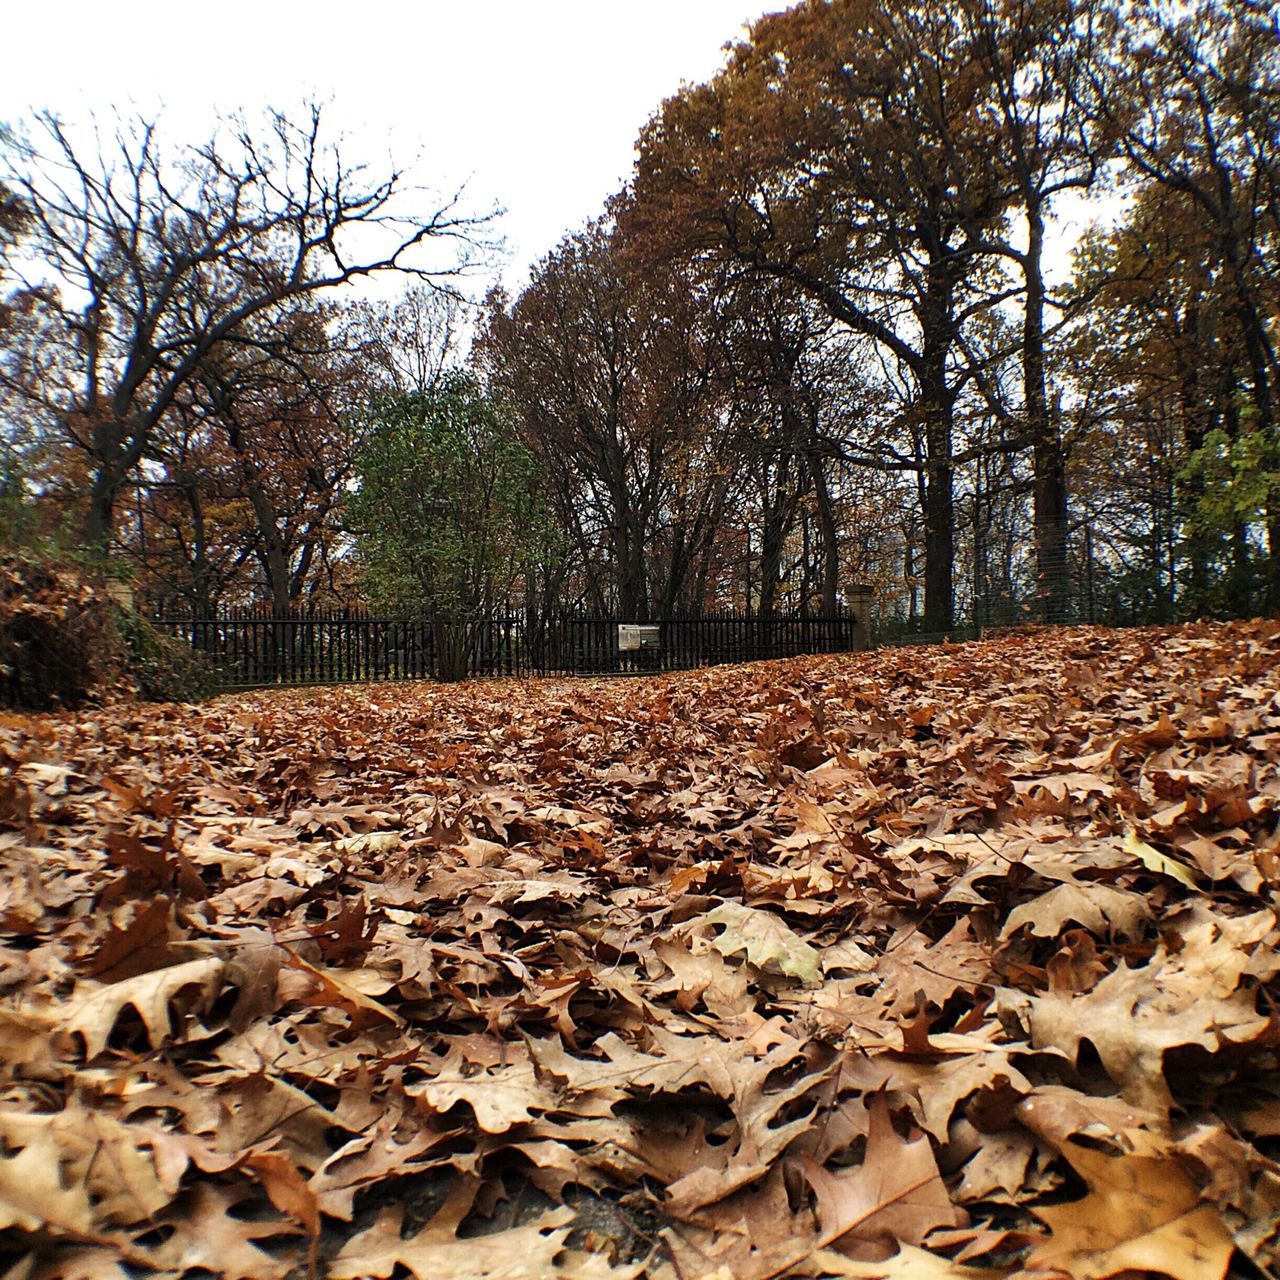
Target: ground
{"x":945,"y":962}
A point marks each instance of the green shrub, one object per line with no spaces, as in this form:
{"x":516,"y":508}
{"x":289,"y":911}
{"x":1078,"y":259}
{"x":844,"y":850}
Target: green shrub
{"x":162,"y":668}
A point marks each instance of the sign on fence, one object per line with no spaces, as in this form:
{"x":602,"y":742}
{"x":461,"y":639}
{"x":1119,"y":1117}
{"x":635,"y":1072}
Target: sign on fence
{"x":633,"y":637}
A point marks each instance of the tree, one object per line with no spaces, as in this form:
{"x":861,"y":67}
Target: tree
{"x":146,"y":259}
{"x":611,"y":369}
{"x":413,"y":343}
{"x":843,"y":151}
{"x":1034,"y":55}
{"x":1161,"y":385}
{"x":1192,"y":93}
{"x":283,"y":405}
{"x":447,"y":514}
{"x":13,"y":221}
{"x":783,"y":387}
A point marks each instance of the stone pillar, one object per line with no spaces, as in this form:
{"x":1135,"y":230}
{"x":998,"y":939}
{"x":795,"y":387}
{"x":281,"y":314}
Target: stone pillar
{"x":860,"y":600}
{"x":120,"y":592}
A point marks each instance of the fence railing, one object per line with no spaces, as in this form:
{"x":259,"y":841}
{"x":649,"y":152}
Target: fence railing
{"x":248,"y":650}
{"x":589,"y":645}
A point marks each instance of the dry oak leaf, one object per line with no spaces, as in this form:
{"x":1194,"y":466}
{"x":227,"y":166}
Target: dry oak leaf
{"x":371,"y":842}
{"x":381,"y":1151}
{"x":909,"y":1263}
{"x":73,"y":1262}
{"x":1097,"y":907}
{"x":436,"y":1253}
{"x":896,"y":1195}
{"x":1244,"y":1185}
{"x":519,"y":892}
{"x":93,"y":1014}
{"x":1142,"y":1214}
{"x":28,"y":1044}
{"x":32,"y":1194}
{"x":1133,"y":1016}
{"x":760,"y":1137}
{"x":286,"y":1187}
{"x":501,"y":1097}
{"x":767,"y":943}
{"x":140,"y":945}
{"x":701,"y":975}
{"x":210,"y":1236}
{"x":130,"y":1171}
{"x":343,"y":989}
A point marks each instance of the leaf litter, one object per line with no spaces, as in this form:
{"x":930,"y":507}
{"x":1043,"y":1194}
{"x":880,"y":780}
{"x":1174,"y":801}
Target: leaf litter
{"x":950,"y":962}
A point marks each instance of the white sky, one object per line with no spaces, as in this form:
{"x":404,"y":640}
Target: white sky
{"x":535,"y":104}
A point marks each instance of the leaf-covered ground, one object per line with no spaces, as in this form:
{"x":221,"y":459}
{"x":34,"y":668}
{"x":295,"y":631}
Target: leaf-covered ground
{"x":950,"y":962}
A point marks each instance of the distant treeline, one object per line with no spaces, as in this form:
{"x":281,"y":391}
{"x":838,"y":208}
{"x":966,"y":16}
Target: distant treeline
{"x":828,"y":334}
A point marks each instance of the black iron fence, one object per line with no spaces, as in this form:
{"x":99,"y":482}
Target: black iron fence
{"x":607,"y":645}
{"x":249,"y":649}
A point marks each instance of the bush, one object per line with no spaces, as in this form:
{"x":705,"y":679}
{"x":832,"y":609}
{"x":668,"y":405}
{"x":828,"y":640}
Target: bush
{"x":58,"y":644}
{"x":65,"y":642}
{"x":162,"y":668}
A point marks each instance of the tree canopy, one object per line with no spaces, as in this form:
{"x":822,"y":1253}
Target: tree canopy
{"x":447,"y":512}
{"x":828,"y":334}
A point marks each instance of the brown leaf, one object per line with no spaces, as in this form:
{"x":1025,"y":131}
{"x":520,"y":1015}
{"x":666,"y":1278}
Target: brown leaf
{"x":895,"y":1196}
{"x":1141,"y":1214}
{"x":521,"y":1253}
{"x":93,"y":1013}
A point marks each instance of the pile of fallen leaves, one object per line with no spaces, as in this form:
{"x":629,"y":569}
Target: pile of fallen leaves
{"x":57,"y":642}
{"x":957,"y":962}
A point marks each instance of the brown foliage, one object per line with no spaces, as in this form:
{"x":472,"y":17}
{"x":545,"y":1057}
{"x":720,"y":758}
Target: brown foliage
{"x":955,"y":962}
{"x":57,"y":644}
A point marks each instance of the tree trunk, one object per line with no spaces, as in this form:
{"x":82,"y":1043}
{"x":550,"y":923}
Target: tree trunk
{"x":1195,"y":418}
{"x":454,"y":640}
{"x":1048,"y":462}
{"x":201,"y":571}
{"x":939,"y":535}
{"x":828,"y":536}
{"x":272,"y":555}
{"x":937,"y":408}
{"x":779,"y":511}
{"x":99,"y":518}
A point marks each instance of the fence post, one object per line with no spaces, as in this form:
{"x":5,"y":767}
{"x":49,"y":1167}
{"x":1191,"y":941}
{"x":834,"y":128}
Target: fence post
{"x":861,"y":599}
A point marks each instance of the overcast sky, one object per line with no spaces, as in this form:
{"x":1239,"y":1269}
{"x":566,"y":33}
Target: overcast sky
{"x":535,"y":104}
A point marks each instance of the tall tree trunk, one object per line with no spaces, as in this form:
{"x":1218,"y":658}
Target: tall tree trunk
{"x":937,"y":409}
{"x":99,"y":517}
{"x":1048,"y":461}
{"x":201,"y":570}
{"x":1261,"y":363}
{"x":779,"y":501}
{"x":1195,"y":418}
{"x":629,"y":560}
{"x":939,"y":531}
{"x":770,"y":562}
{"x":1240,"y":573}
{"x":271,"y":554}
{"x":112,"y":468}
{"x":828,"y":535}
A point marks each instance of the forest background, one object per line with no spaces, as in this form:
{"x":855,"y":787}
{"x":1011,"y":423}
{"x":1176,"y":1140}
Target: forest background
{"x":815,"y":341}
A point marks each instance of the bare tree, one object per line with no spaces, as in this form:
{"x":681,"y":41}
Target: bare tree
{"x":145,"y":259}
{"x":412,"y":343}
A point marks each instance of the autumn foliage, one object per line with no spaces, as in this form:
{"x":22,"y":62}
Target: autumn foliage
{"x":955,"y":962}
{"x":57,"y":643}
